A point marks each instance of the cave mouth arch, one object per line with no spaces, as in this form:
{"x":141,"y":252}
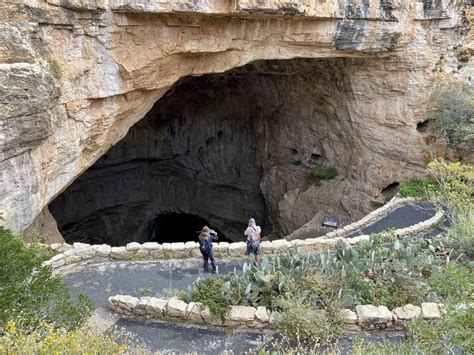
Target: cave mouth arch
{"x":226,"y":147}
{"x":176,"y":226}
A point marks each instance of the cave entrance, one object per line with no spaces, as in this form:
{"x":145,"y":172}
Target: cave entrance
{"x":221,"y":148}
{"x":178,"y":227}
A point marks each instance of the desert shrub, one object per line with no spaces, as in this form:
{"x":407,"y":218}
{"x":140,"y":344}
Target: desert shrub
{"x":460,"y":236}
{"x":454,"y":285}
{"x":29,"y":290}
{"x":452,"y":108}
{"x":456,"y":180}
{"x":321,"y":172}
{"x":415,"y":187}
{"x":305,"y":327}
{"x":208,"y":292}
{"x":50,"y":340}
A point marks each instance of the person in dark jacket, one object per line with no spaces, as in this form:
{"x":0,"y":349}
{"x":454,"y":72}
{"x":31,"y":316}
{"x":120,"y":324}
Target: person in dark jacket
{"x":206,"y":237}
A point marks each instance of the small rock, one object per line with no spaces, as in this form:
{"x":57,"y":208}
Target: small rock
{"x":407,"y":312}
{"x":210,"y":318}
{"x":193,"y":313}
{"x":176,"y":308}
{"x":129,"y":302}
{"x":156,"y":306}
{"x":151,"y":246}
{"x":78,"y":245}
{"x":178,"y":250}
{"x":350,"y":317}
{"x":369,"y":314}
{"x":241,"y":314}
{"x":120,"y":253}
{"x":133,"y":246}
{"x":141,"y":308}
{"x":102,"y":250}
{"x":262,"y":314}
{"x":430,"y":310}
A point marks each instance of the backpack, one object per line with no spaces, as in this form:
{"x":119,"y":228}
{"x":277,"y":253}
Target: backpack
{"x":205,"y":246}
{"x":254,"y":238}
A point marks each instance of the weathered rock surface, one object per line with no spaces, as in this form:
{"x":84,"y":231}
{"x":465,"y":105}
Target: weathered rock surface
{"x":370,"y":314}
{"x":407,"y":312}
{"x":75,"y":76}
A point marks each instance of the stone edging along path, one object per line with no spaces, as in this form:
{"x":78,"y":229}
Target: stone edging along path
{"x":367,"y":220}
{"x":364,"y":317}
{"x":79,"y":253}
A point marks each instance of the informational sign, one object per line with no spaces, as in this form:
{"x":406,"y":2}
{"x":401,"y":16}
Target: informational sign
{"x":330,"y":221}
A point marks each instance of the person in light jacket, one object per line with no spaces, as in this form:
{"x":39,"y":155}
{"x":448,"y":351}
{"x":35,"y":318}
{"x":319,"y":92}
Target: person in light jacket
{"x":253,"y":238}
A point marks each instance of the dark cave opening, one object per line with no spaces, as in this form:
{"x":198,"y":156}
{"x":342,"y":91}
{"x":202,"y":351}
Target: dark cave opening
{"x":176,"y":227}
{"x":216,"y":150}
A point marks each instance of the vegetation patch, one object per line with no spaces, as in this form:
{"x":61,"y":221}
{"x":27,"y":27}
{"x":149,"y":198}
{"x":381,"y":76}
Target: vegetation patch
{"x":321,"y":172}
{"x":415,"y":187}
{"x":30,"y":292}
{"x":55,"y":69}
{"x":452,"y":111}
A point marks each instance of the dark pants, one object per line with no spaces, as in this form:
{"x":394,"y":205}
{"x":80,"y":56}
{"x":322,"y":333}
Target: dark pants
{"x":206,"y":258}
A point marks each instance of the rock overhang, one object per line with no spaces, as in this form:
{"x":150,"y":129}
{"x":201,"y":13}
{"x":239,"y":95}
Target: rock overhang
{"x":118,"y":57}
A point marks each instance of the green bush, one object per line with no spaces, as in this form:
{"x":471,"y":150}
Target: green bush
{"x":308,"y":328}
{"x":29,"y":291}
{"x":208,"y":292}
{"x":415,"y":187}
{"x":452,"y":112}
{"x":49,"y":340}
{"x":454,"y":285}
{"x":321,"y":172}
{"x":456,"y":180}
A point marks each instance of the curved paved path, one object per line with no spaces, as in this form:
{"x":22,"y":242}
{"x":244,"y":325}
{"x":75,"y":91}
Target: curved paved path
{"x":401,"y":217}
{"x":151,"y":278}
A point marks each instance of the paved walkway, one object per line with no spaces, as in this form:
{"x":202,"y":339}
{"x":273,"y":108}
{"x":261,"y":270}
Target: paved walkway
{"x":402,"y":217}
{"x":153,"y":278}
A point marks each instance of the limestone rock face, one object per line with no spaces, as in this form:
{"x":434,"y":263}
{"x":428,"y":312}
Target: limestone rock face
{"x":75,"y":76}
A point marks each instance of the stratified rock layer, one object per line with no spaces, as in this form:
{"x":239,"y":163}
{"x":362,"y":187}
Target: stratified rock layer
{"x":76,"y":75}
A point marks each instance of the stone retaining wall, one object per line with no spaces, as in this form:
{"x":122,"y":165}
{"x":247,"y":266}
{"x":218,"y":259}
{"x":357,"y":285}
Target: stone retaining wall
{"x":81,"y":252}
{"x":364,"y":316}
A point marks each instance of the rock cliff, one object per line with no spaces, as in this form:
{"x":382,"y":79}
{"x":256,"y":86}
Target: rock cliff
{"x":76,"y":75}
